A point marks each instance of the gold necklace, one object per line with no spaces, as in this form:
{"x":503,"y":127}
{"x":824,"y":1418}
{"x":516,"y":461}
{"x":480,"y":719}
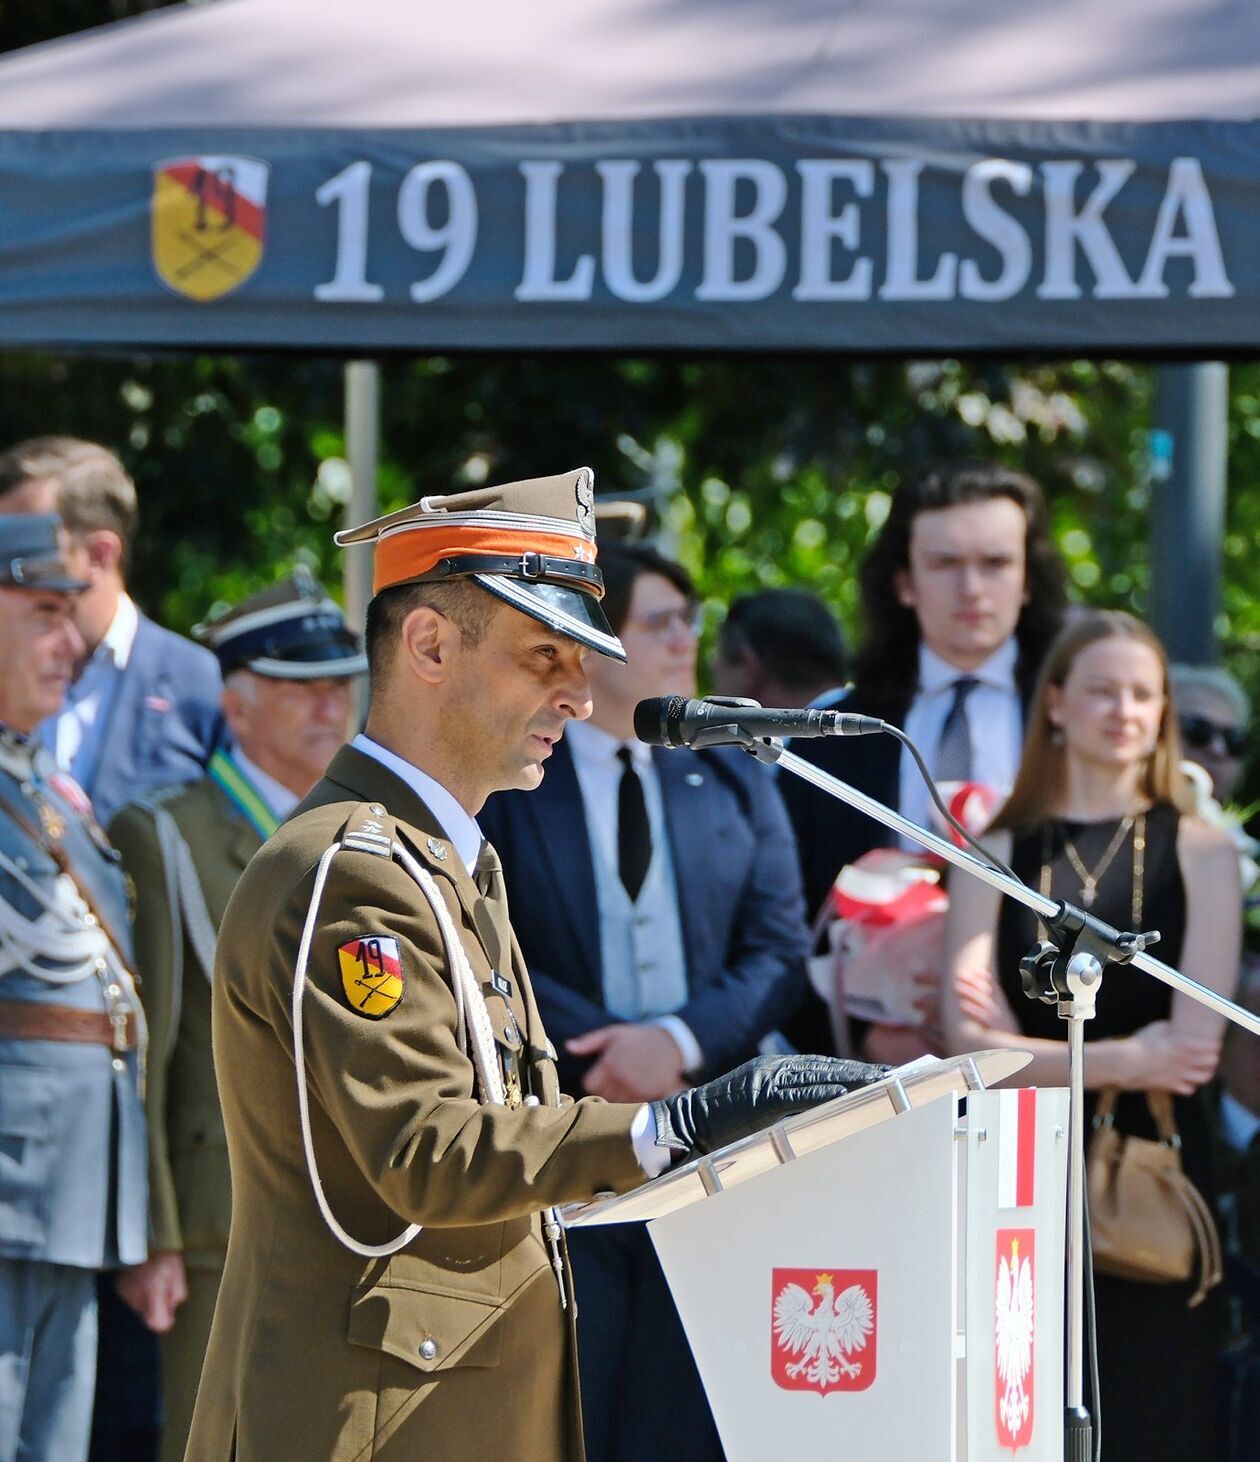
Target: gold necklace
{"x":1090,"y":879}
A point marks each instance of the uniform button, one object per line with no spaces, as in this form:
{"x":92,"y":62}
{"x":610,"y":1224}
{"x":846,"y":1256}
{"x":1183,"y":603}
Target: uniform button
{"x":428,"y":1349}
{"x":118,"y":1063}
{"x":113,"y":991}
{"x":90,"y":920}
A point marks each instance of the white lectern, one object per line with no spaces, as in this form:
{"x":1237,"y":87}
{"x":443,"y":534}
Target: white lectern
{"x":877,"y":1273}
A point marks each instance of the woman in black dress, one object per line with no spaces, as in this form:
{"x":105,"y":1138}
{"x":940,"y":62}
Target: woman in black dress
{"x":1099,"y":815}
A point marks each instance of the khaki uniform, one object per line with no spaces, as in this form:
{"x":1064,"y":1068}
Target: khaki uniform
{"x":456,"y":1349}
{"x":189,"y":1183}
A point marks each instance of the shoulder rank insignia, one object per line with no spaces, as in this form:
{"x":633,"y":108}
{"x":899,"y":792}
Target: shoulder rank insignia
{"x":371,"y":974}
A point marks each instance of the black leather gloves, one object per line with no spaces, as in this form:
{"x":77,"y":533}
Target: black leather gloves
{"x":754,"y":1095}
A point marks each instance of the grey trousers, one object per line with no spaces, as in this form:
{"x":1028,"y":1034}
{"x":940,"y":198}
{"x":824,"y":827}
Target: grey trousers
{"x":47,"y":1361}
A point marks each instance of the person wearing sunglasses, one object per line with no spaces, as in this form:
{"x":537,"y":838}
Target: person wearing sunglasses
{"x":1214,"y":714}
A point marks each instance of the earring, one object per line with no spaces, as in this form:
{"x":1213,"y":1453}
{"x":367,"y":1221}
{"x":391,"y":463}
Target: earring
{"x":1056,"y":736}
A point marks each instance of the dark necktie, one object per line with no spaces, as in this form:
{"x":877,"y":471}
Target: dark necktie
{"x":953,"y":753}
{"x":634,"y":837}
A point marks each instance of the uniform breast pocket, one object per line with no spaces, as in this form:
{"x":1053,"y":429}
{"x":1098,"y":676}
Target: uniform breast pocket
{"x":27,"y":1104}
{"x":432,"y":1328}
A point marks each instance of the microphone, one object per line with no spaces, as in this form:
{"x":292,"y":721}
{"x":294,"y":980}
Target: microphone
{"x":671,"y":720}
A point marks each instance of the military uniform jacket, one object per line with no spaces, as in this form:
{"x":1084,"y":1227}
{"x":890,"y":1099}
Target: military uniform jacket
{"x":455,"y":1349}
{"x":189,"y":1184}
{"x":72,"y":1141}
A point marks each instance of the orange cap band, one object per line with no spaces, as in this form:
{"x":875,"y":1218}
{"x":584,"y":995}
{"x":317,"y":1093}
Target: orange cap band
{"x":401,"y":557}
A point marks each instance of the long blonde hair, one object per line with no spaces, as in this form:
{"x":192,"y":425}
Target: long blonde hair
{"x":1041,"y":780}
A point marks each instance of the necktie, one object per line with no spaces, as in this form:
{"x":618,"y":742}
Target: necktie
{"x":953,"y":753}
{"x":634,"y":838}
{"x":488,"y":876}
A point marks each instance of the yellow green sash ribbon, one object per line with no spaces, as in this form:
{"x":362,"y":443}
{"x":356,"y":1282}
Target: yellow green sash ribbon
{"x":243,"y":794}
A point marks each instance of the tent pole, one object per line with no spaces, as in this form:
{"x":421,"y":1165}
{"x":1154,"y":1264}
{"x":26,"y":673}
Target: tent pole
{"x":363,"y":429}
{"x":363,"y":425}
{"x":1188,"y":483}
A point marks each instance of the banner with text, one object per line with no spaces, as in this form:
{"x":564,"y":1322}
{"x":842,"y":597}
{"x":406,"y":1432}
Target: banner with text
{"x":729,"y":234}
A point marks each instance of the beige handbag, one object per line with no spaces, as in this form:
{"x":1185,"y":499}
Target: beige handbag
{"x":1148,"y":1221}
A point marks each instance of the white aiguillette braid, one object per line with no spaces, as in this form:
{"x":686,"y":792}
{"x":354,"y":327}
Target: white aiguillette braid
{"x":479,"y":1041}
{"x":365,"y":833}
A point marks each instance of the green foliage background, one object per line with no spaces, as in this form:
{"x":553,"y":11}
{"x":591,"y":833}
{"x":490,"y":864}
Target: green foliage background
{"x":768,"y":471}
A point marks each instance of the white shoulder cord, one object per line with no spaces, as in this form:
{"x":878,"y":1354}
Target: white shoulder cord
{"x":59,"y":933}
{"x":468,"y":996}
{"x":70,"y":935}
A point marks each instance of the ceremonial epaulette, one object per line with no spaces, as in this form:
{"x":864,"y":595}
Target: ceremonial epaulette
{"x":369,"y":829}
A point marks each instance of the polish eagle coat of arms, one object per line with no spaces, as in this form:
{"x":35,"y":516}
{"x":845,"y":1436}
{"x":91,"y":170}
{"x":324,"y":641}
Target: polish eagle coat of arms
{"x":824,"y":1326}
{"x":1013,"y":1337}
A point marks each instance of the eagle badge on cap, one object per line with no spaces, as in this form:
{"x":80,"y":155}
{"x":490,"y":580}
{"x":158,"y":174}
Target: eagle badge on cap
{"x":371,"y":974}
{"x":584,"y":492}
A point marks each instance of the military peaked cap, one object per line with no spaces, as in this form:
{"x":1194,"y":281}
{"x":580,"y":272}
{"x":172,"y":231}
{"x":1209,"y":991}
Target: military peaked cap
{"x":30,"y":554}
{"x":291,"y":631}
{"x":531,"y":544}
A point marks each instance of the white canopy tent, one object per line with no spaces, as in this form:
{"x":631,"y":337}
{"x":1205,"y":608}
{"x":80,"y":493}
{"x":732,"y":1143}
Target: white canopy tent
{"x":485,"y":63}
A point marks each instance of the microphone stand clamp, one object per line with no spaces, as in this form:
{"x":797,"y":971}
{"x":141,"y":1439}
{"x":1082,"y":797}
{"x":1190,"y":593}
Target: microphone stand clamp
{"x":766,"y":749}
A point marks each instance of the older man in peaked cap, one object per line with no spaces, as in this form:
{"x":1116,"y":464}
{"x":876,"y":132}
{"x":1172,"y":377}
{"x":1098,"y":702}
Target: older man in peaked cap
{"x":289,"y":665}
{"x":396,"y":1284}
{"x":72,"y":1183}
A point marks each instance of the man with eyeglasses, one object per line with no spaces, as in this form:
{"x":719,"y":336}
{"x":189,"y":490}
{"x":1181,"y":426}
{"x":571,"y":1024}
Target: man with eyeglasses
{"x":657,"y":900}
{"x":1213,"y":712}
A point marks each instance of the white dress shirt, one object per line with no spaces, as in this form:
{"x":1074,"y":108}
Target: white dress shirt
{"x":76,"y":733}
{"x":459,"y":825}
{"x":994,"y":718}
{"x":642,"y":965}
{"x":461,"y":829}
{"x":275,"y":794}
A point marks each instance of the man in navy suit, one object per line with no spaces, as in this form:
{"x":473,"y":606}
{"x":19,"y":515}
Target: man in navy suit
{"x":143,"y":712}
{"x":658,"y":905}
{"x":962,"y":592}
{"x":144,"y":708}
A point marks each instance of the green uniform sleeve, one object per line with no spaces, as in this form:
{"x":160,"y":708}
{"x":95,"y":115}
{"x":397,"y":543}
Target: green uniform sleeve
{"x":398,"y":1090}
{"x":134,"y":835}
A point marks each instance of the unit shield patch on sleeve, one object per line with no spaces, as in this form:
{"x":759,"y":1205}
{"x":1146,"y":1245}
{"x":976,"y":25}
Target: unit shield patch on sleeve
{"x":371,"y":974}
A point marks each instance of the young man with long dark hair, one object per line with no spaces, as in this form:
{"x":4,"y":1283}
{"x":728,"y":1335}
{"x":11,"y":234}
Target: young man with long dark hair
{"x":962,"y":591}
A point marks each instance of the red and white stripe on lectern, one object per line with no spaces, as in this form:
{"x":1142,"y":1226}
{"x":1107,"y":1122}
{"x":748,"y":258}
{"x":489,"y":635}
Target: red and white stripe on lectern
{"x":1017,"y":1147}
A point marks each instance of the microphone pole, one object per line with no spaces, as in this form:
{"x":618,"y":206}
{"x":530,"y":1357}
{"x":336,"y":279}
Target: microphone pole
{"x":1065,"y":971}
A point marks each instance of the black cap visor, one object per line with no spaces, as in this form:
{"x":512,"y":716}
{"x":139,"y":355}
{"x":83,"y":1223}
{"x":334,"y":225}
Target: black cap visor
{"x":570,"y":612}
{"x":46,"y":572}
{"x":318,"y":663}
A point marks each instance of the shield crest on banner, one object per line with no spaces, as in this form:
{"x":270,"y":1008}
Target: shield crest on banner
{"x":823,"y":1329}
{"x":208,"y":218}
{"x":1013,"y":1336}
